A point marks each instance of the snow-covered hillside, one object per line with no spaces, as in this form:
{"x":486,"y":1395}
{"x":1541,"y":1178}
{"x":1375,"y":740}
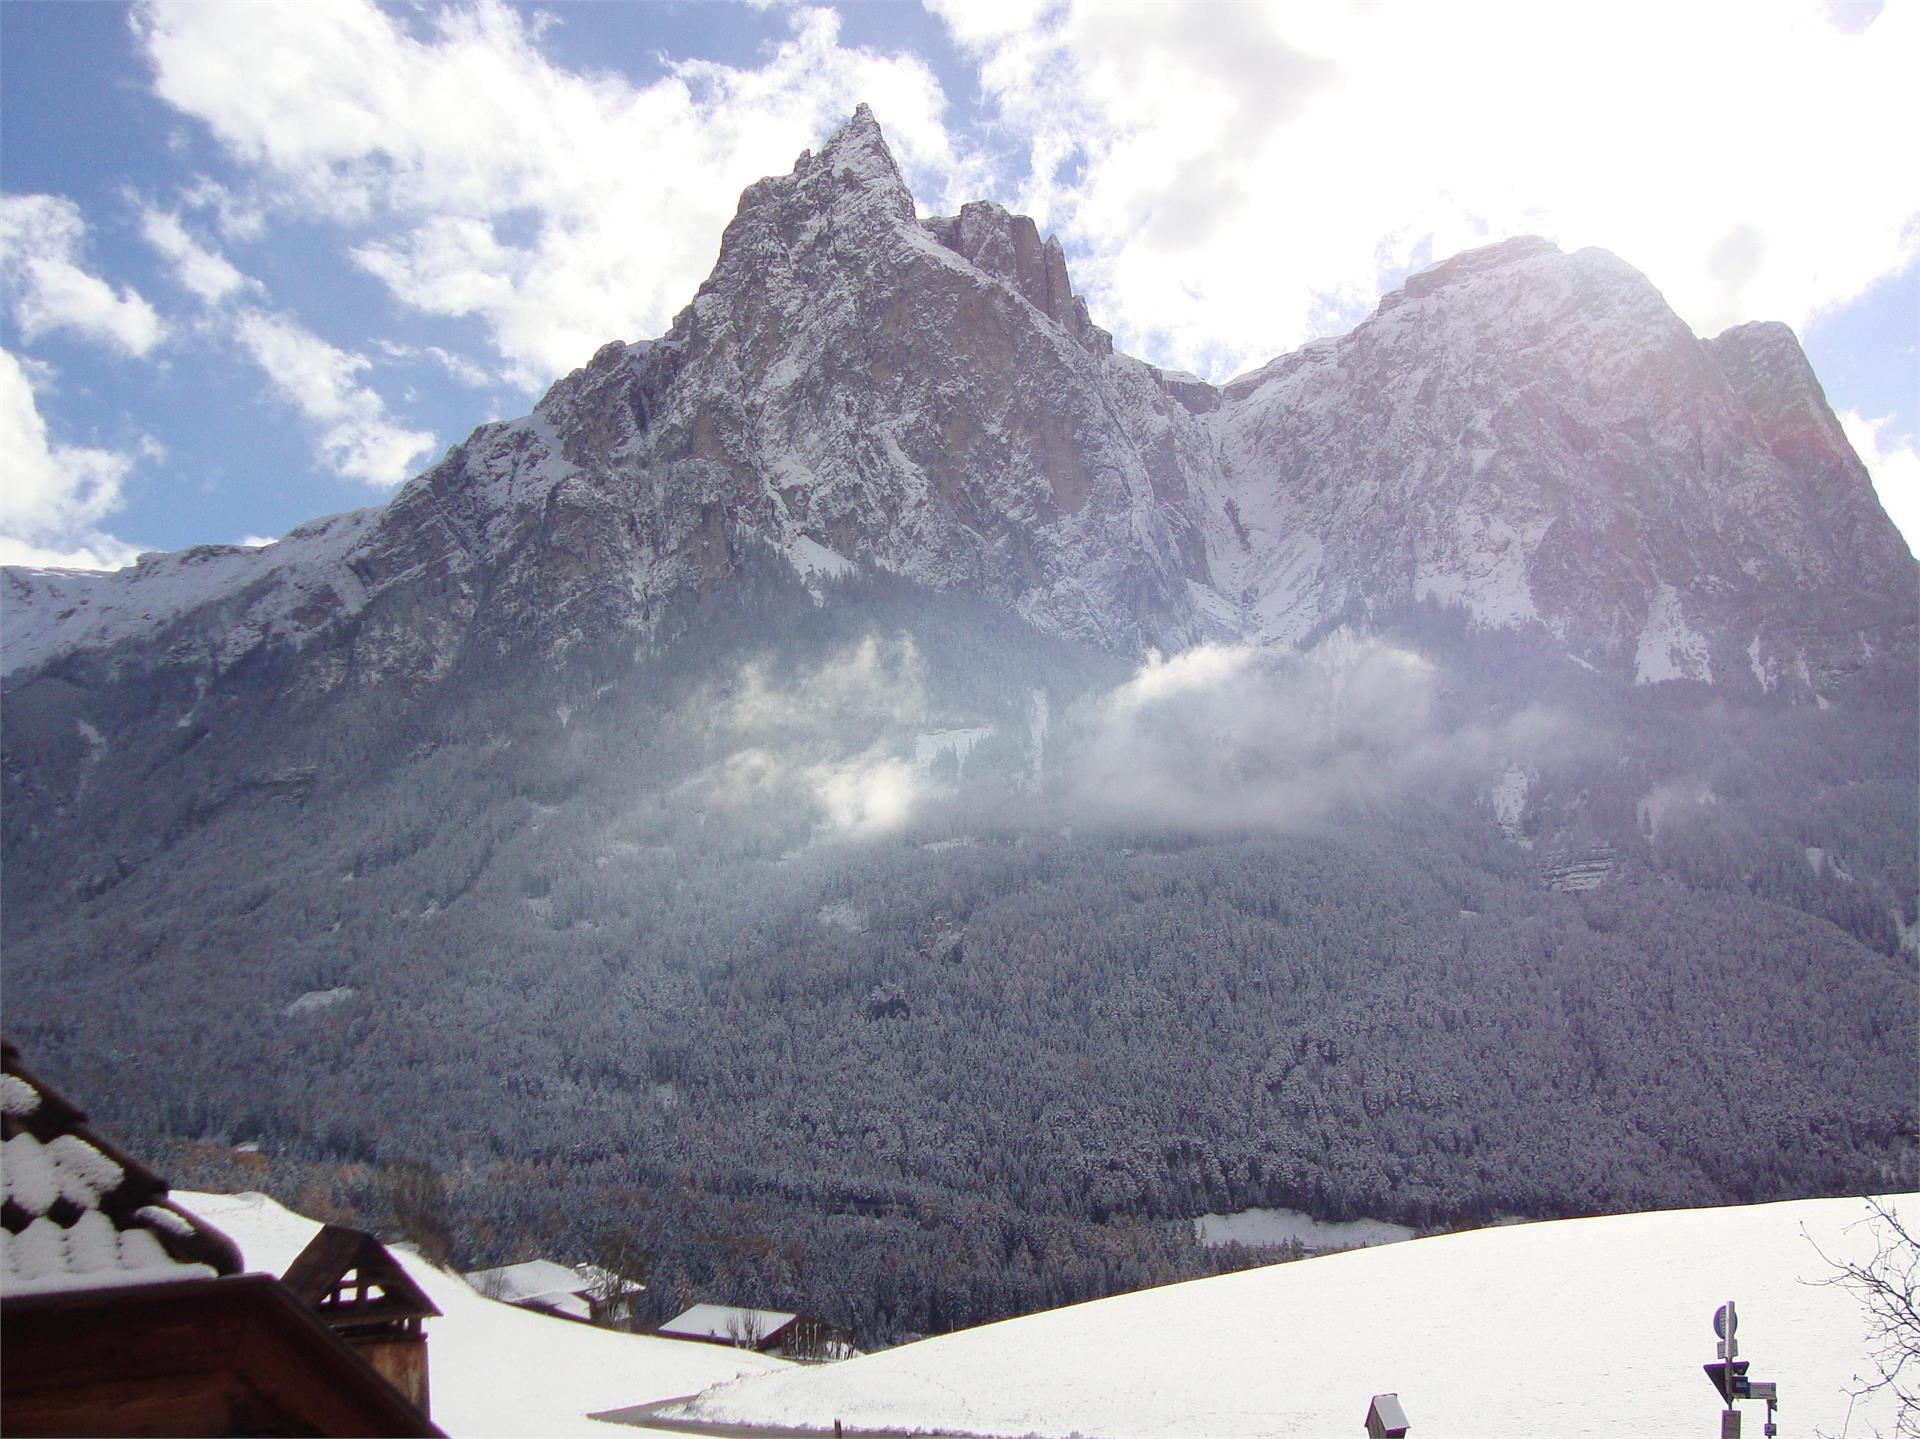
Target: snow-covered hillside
{"x":495,"y":1369}
{"x":1579,"y":1327}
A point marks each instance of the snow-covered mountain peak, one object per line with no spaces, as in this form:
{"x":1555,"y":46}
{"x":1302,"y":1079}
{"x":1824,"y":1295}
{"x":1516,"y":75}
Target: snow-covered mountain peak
{"x":1464,"y":267}
{"x":1537,"y":437}
{"x":1833,"y":497}
{"x":1009,"y":247}
{"x":1766,"y":350}
{"x":1765,"y":366}
{"x":1530,"y":289}
{"x":852,"y":183}
{"x":859,"y":148}
{"x":1529,"y":435}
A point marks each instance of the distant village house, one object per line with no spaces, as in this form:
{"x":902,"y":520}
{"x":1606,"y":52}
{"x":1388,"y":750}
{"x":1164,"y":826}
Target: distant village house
{"x":584,"y":1292}
{"x":766,"y":1331}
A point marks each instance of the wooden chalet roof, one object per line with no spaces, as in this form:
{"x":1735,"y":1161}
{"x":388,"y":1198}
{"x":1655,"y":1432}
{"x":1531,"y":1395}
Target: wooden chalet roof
{"x":77,"y":1212}
{"x":348,"y":1278}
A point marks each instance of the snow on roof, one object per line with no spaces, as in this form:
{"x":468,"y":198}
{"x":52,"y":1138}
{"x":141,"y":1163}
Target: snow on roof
{"x":573,"y":1306}
{"x":726,"y":1323}
{"x":539,"y":1279}
{"x":605,"y":1281}
{"x":76,"y":1213}
{"x":543,"y":1284}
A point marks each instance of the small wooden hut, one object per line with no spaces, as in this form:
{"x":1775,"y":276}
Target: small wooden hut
{"x":361,"y":1293}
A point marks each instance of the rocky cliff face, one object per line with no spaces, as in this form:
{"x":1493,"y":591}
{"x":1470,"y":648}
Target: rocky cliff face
{"x":1530,"y":435}
{"x":1536,"y":436}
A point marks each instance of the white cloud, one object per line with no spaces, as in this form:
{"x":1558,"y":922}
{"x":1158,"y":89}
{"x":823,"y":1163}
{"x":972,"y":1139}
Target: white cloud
{"x":356,"y":437}
{"x":463,"y":370}
{"x":1241,"y":183}
{"x":236,"y":218}
{"x":1233,"y":737}
{"x":457,"y":366}
{"x":55,"y":496}
{"x":201,"y":271}
{"x":1200,"y":668}
{"x":568,"y":209}
{"x":109,"y":554}
{"x":862,"y":795}
{"x":40,"y":268}
{"x":875,"y":681}
{"x":829,"y":739}
{"x":1895,"y":466}
{"x":868,"y":795}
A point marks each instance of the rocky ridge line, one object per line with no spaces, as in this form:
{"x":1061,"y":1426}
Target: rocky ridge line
{"x":1530,"y":435}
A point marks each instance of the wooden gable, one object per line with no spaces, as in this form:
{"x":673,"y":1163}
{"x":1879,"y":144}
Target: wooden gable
{"x":349,"y":1279}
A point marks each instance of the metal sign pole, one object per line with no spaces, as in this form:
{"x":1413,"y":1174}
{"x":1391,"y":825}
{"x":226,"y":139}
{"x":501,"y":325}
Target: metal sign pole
{"x":1729,"y":1376}
{"x":1726,"y":1320}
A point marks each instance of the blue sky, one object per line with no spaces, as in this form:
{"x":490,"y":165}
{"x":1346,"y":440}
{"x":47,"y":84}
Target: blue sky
{"x":260,"y":263}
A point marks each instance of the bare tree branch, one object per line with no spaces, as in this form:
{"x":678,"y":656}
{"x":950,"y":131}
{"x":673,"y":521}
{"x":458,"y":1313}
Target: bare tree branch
{"x":1888,"y":1288}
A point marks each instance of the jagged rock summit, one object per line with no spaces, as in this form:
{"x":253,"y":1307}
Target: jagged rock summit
{"x":1529,"y":435}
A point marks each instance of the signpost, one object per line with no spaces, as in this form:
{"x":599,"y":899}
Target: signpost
{"x":1729,"y":1376}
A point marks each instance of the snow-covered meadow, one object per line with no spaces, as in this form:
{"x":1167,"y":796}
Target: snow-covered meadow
{"x":1571,"y":1328}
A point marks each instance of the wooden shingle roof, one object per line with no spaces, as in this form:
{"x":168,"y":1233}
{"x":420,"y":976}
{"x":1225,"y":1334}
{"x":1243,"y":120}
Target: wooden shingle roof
{"x":77,"y":1212}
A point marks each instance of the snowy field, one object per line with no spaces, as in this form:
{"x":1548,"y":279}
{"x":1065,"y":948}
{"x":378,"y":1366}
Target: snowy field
{"x":1574,"y":1328}
{"x":1282,"y":1226}
{"x":494,"y":1369}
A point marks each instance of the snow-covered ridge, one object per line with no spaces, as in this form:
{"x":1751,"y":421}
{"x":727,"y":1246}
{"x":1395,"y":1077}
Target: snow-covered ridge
{"x":1537,"y":438}
{"x":53,"y":612}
